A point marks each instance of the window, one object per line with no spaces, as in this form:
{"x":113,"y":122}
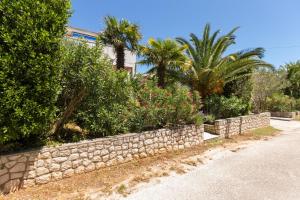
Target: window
{"x":80,"y":35}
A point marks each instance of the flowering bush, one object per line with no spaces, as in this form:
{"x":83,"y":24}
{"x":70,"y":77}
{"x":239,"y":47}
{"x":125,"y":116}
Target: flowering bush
{"x":156,"y":107}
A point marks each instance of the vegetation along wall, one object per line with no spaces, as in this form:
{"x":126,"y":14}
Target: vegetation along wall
{"x":54,"y":163}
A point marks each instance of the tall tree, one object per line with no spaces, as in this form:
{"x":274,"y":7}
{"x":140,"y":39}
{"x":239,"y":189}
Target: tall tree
{"x":211,"y":69}
{"x":121,"y":35}
{"x":265,"y":84}
{"x":292,"y":71}
{"x":163,"y":55}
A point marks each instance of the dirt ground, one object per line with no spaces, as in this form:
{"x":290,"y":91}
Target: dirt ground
{"x":123,"y":179}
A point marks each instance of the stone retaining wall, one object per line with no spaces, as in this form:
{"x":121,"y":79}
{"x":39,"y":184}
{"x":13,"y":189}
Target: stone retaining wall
{"x":238,"y":125}
{"x":54,"y":163}
{"x":284,"y":114}
{"x":292,"y":115}
{"x":210,"y":128}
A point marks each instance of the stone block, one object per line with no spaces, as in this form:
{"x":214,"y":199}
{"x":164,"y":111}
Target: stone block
{"x":4,"y":178}
{"x":120,"y":159}
{"x":74,"y":156}
{"x":99,"y":146}
{"x":97,"y":158}
{"x":20,"y":167}
{"x":10,"y":164}
{"x":41,"y":171}
{"x":43,"y":179}
{"x":100,"y":165}
{"x":30,"y":174}
{"x":91,"y":149}
{"x":90,"y":155}
{"x":76,"y":163}
{"x":64,"y":153}
{"x":90,"y":167}
{"x":68,"y":173}
{"x":148,"y":142}
{"x":14,"y":157}
{"x":54,"y":167}
{"x":66,"y":165}
{"x":112,"y":155}
{"x":86,"y":162}
{"x":55,"y":154}
{"x":3,"y":171}
{"x":22,"y":159}
{"x":59,"y":159}
{"x":105,"y":158}
{"x":104,"y":152}
{"x":79,"y":170}
{"x":39,"y":163}
{"x":16,"y":175}
{"x":84,"y":155}
{"x":45,"y":155}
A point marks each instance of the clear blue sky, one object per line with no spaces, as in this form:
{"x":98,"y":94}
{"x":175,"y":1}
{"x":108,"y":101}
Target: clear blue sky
{"x":272,"y":24}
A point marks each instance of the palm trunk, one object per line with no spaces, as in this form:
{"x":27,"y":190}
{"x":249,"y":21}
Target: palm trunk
{"x":161,"y":73}
{"x":120,"y":54}
{"x":72,"y":106}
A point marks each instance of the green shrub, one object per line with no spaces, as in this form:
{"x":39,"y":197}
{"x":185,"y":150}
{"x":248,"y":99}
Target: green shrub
{"x":156,"y":107}
{"x":94,"y":95}
{"x":279,"y":102}
{"x":223,"y":107}
{"x":297,"y":105}
{"x":106,"y":111}
{"x":209,"y":119}
{"x":31,"y":32}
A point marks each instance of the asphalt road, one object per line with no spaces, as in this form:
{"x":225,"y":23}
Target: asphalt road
{"x":264,"y":170}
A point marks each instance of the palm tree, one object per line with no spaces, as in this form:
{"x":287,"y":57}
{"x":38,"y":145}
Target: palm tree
{"x":211,"y":69}
{"x":163,"y":55}
{"x":121,"y":35}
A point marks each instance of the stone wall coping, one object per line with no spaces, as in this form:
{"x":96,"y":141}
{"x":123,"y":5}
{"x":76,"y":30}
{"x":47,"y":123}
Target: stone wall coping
{"x":285,"y":112}
{"x":243,"y":116}
{"x":211,"y":125}
{"x":233,"y":119}
{"x":220,"y":120}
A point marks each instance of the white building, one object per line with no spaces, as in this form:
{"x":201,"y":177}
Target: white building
{"x":130,"y":58}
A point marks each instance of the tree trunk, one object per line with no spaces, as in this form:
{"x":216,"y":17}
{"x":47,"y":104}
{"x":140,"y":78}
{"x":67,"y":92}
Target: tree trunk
{"x":120,"y":54}
{"x":161,"y":74}
{"x":71,"y":107}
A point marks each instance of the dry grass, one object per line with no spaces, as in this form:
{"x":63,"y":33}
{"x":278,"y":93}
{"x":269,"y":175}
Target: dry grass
{"x":122,"y":189}
{"x":107,"y":180}
{"x":190,"y":162}
{"x":177,"y":169}
{"x":264,"y":132}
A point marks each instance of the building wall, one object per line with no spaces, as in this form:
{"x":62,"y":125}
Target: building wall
{"x":48,"y":164}
{"x":130,"y":58}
